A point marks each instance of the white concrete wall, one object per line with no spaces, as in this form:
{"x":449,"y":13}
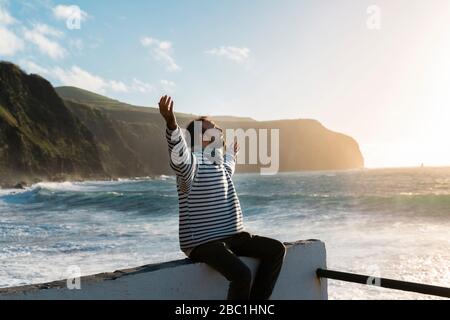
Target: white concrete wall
{"x":183,"y":279}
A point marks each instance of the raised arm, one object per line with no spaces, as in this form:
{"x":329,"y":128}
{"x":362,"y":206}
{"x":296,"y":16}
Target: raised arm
{"x":182,"y":160}
{"x":230,"y":157}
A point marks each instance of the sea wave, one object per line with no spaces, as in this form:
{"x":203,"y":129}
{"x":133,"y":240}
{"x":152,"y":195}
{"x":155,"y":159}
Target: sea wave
{"x":431,"y":204}
{"x":158,"y":197}
{"x":368,"y":218}
{"x":131,"y":196}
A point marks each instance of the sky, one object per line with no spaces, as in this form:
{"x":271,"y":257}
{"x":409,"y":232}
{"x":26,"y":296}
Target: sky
{"x":378,"y":71}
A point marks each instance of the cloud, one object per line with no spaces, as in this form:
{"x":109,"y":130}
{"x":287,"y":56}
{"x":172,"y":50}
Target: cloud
{"x":118,"y":86}
{"x":80,"y":78}
{"x":232,"y":53}
{"x":63,"y":12}
{"x":40,"y":36}
{"x":161,"y":51}
{"x":5,"y":18}
{"x":10,"y":44}
{"x":47,"y":30}
{"x":140,"y":86}
{"x":33,"y":67}
{"x":168,"y":86}
{"x":77,"y":77}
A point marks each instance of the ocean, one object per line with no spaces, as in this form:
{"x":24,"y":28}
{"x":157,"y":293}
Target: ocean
{"x":393,"y":223}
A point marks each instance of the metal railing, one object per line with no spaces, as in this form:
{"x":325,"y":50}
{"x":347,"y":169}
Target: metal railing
{"x":384,"y":283}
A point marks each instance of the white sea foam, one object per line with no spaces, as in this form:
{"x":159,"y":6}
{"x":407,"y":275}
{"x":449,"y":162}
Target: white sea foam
{"x":60,"y":186}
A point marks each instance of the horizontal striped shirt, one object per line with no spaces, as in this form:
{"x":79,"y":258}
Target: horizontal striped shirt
{"x":209,"y":207}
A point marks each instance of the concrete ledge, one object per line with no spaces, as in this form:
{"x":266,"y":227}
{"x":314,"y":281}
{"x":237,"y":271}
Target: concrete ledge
{"x":183,"y":279}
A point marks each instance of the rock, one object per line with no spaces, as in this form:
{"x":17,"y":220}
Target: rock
{"x":20,"y":185}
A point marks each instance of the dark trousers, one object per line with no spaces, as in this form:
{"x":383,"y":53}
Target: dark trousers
{"x":222,"y":255}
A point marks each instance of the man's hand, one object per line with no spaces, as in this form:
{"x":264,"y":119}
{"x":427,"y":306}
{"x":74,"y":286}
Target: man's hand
{"x":166,"y":110}
{"x":234,"y":147}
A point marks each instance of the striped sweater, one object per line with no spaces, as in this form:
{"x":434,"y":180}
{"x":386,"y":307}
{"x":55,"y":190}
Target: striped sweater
{"x":208,"y":204}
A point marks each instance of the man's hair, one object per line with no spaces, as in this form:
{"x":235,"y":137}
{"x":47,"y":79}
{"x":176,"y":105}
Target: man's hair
{"x":191,"y":126}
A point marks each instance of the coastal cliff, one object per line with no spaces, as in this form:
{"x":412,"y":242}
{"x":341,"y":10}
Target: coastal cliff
{"x":40,"y":138}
